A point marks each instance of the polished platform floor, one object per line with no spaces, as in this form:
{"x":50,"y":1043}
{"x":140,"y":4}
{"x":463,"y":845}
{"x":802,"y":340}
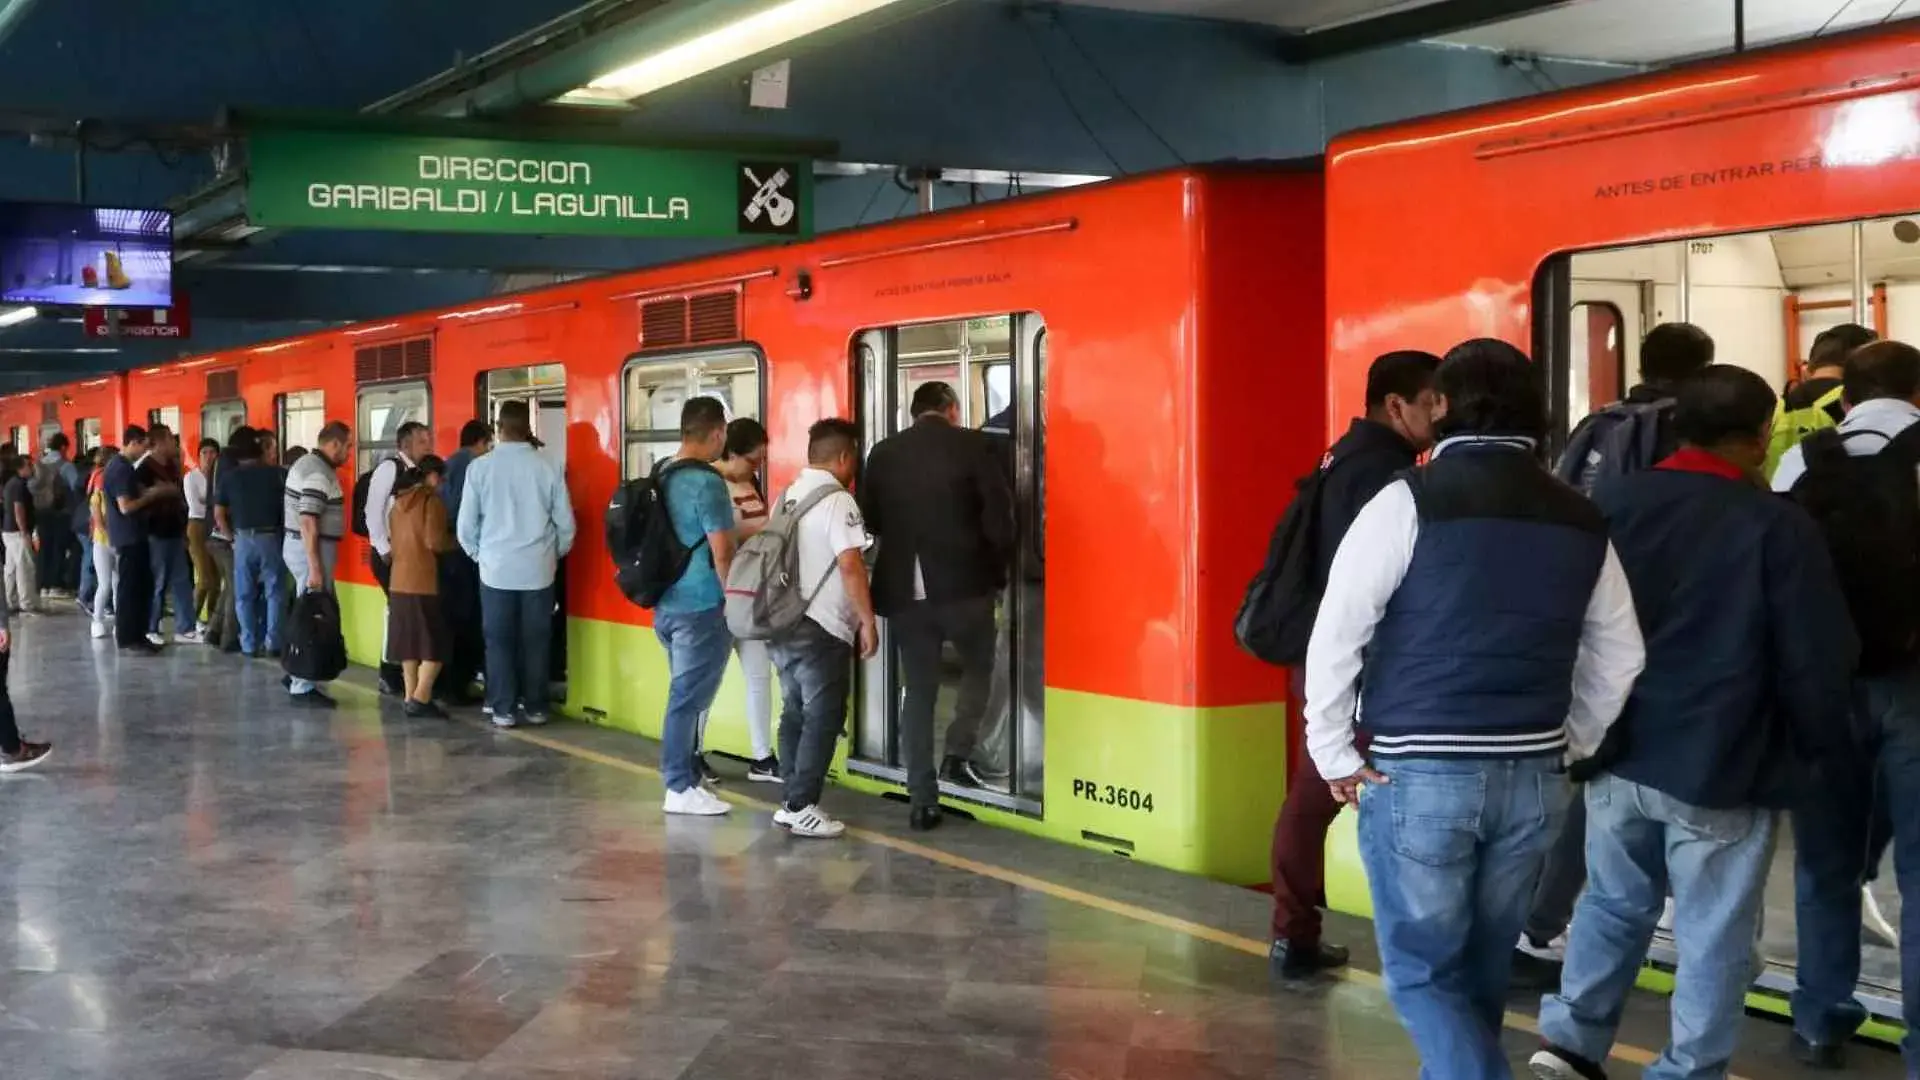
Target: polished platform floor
{"x":206,"y":884}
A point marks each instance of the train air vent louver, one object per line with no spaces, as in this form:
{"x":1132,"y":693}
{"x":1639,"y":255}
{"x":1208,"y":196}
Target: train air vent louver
{"x":714,"y":317}
{"x":223,"y":385}
{"x":49,"y":411}
{"x":394,"y":360}
{"x":663,"y":323}
{"x":690,"y":320}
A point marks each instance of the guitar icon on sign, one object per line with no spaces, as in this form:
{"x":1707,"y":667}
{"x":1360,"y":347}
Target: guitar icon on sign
{"x":769,"y":199}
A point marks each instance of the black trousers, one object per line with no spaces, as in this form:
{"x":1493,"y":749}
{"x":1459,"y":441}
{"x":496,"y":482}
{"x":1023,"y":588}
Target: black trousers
{"x":59,"y":551}
{"x":920,"y":631}
{"x":390,"y":673}
{"x":9,"y":731}
{"x":460,"y":601}
{"x":132,"y":593}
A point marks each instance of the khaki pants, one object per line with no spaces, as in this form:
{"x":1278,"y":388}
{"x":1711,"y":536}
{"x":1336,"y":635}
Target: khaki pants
{"x":206,"y":574}
{"x":23,"y":584}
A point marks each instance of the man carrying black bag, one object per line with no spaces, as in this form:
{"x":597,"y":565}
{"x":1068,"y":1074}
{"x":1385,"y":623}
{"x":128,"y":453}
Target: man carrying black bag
{"x":1277,"y":617}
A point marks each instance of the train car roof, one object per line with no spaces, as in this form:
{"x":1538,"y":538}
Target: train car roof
{"x":1651,"y":91}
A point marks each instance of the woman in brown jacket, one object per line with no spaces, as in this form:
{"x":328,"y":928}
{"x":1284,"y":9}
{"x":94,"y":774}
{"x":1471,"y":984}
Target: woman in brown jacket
{"x":416,"y":628}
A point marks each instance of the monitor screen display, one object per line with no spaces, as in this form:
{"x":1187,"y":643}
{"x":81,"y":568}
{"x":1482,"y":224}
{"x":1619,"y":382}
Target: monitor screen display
{"x":55,"y":253}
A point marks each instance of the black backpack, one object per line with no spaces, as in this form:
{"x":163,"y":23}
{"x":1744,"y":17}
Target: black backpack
{"x":648,"y":556}
{"x":1276,"y":616}
{"x":1617,"y":440}
{"x":1869,"y":510}
{"x":316,"y":649}
{"x":360,"y":485}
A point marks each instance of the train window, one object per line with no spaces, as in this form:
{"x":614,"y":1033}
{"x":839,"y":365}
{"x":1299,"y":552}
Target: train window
{"x":655,"y":388}
{"x":298,"y":417}
{"x":165,"y":414}
{"x":1596,"y":357}
{"x":22,"y":438}
{"x":86,"y":433}
{"x":219,"y":418}
{"x":383,"y":408}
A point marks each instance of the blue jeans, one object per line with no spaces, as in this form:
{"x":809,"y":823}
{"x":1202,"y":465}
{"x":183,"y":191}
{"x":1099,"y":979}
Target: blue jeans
{"x":172,"y":572}
{"x":518,"y":624}
{"x":816,"y":676}
{"x":89,"y":578}
{"x":1453,"y":849}
{"x":698,"y":644}
{"x":259,"y":577}
{"x":1640,"y":844}
{"x":1839,"y":832}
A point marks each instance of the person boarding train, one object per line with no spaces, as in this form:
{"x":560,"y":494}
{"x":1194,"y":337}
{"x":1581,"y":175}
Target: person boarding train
{"x":1395,"y":430}
{"x":1478,"y":602}
{"x":1728,"y":580}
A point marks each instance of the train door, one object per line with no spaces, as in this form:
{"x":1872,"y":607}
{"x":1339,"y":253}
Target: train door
{"x":543,"y":388}
{"x":86,"y":434}
{"x":1764,"y":298}
{"x":998,"y":366}
{"x":218,"y":419}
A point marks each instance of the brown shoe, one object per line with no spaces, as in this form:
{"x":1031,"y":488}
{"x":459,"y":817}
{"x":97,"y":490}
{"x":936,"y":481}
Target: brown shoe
{"x":29,"y":755}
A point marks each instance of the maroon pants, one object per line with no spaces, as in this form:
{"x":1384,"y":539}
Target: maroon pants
{"x":1300,"y":848}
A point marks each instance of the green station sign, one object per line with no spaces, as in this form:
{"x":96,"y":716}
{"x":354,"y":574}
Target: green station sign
{"x":327,"y":179}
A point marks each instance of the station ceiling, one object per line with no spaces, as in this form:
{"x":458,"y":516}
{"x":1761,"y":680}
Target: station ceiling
{"x":143,"y":87}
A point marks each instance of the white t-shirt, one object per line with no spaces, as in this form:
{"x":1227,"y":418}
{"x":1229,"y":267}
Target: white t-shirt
{"x":196,"y":491}
{"x":833,"y":526}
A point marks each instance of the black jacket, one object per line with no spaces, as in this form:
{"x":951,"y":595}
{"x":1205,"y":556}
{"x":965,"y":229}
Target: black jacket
{"x":1359,"y":464}
{"x":1750,"y":648}
{"x":938,"y":493}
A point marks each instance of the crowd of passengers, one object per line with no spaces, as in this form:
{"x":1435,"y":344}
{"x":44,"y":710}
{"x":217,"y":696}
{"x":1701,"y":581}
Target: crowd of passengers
{"x":1571,"y":704}
{"x":467,"y":550}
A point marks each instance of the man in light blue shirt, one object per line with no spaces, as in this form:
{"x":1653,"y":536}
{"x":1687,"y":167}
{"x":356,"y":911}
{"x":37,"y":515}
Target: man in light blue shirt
{"x":516,"y":522}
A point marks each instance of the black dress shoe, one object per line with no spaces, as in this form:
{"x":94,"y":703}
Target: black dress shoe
{"x":1287,"y":961}
{"x":925,"y":818}
{"x":312,"y":699}
{"x":1815,"y":1055}
{"x":960,"y":771}
{"x":389,"y":688}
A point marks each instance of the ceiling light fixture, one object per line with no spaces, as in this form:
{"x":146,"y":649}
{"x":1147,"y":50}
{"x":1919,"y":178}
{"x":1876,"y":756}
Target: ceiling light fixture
{"x":19,"y":315}
{"x":746,"y":36}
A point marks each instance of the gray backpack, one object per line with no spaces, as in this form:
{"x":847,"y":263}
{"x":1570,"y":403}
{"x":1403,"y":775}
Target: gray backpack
{"x":763,"y":588}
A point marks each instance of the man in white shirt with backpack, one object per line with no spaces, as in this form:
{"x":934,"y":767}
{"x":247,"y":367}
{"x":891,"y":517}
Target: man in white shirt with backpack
{"x":813,"y":559}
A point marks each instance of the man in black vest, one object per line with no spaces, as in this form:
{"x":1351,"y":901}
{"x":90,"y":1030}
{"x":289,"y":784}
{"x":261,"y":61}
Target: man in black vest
{"x":1481,"y":607}
{"x":942,"y":509}
{"x":1396,"y":430}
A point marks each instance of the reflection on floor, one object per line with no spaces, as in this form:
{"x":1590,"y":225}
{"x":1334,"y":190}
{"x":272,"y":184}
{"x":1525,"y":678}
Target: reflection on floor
{"x":206,"y":885}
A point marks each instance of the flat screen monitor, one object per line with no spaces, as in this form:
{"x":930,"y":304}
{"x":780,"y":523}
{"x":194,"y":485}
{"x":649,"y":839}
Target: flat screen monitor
{"x":93,"y":256}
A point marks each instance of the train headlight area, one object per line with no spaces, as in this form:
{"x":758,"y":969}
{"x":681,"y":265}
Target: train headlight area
{"x":1153,"y":349}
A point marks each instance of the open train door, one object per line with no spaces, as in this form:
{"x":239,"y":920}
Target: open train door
{"x":543,"y":387}
{"x":998,"y":366}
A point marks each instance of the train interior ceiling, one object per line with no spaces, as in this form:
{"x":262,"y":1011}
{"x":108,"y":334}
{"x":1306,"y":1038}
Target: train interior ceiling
{"x":1763,"y":296}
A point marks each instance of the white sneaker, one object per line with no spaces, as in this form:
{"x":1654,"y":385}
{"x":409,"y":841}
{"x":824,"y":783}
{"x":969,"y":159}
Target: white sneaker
{"x":157,"y":640}
{"x":535,"y":719}
{"x":811,"y":822}
{"x":1553,"y":952}
{"x":1666,"y":917}
{"x":697,"y":801}
{"x":100,"y":630}
{"x":188,"y":637}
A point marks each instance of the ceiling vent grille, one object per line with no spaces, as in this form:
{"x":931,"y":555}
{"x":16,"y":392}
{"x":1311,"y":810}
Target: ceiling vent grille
{"x":223,"y":385}
{"x":690,"y":320}
{"x":394,"y":360}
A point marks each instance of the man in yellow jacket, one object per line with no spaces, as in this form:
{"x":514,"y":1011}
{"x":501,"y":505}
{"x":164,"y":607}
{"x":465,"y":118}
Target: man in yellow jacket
{"x":1815,"y":403}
